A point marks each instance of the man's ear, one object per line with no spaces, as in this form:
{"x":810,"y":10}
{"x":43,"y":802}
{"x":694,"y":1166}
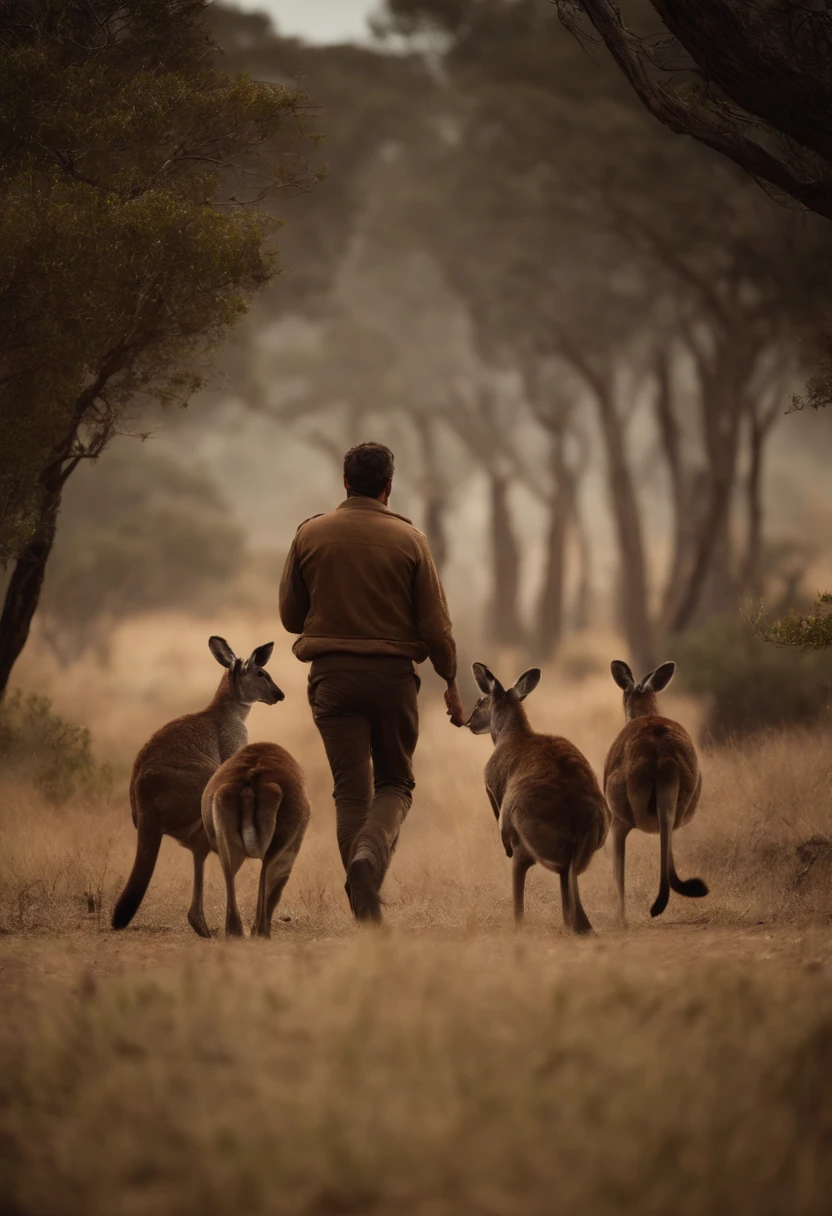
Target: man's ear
{"x":221,"y":651}
{"x":658,"y":679}
{"x":527,"y":683}
{"x":486,"y":682}
{"x":622,"y":675}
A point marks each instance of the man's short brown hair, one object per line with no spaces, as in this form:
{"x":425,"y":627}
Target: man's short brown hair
{"x":368,"y":468}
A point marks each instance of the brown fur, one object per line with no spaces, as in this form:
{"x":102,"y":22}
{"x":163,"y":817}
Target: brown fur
{"x":545,"y":795}
{"x":255,"y":805}
{"x":652,"y":782}
{"x":171,"y":770}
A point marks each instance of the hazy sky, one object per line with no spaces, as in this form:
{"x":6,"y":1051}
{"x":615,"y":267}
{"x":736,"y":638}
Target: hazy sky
{"x":316,"y":20}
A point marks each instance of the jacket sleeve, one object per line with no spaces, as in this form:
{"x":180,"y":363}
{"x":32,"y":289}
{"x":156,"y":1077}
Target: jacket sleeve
{"x":432,"y":618}
{"x":294,"y":595}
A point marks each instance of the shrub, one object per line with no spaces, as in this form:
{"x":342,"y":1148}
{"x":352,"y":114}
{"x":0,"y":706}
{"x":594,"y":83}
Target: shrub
{"x":55,"y":755}
{"x":749,"y":684}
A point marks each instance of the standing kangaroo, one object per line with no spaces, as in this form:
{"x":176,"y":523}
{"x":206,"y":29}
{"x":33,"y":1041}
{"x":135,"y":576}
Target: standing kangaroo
{"x":542,"y":790}
{"x":255,"y":805}
{"x":174,"y":766}
{"x":651,"y":780}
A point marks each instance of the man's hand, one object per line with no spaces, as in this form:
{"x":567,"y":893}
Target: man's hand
{"x":456,"y":710}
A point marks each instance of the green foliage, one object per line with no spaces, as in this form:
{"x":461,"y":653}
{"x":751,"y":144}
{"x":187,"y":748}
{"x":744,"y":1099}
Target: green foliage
{"x":749,"y":685}
{"x":139,"y":532}
{"x":126,"y":246}
{"x":41,"y":747}
{"x":808,"y":631}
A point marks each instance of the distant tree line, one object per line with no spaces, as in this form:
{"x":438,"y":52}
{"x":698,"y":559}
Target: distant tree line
{"x":612,"y":280}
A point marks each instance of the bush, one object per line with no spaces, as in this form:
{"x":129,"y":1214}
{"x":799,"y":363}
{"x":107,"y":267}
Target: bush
{"x":751,"y":685}
{"x":55,"y":755}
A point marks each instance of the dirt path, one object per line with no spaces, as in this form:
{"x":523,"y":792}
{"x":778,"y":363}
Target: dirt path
{"x":32,"y":962}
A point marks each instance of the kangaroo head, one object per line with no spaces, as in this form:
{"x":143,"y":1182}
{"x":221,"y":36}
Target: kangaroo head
{"x":248,"y":681}
{"x":499,"y":708}
{"x":640,"y":699}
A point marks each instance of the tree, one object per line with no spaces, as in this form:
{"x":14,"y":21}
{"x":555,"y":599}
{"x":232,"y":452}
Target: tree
{"x":754,"y":82}
{"x":133,"y":232}
{"x":751,"y":80}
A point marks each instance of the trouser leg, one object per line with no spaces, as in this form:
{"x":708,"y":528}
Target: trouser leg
{"x":346,"y":738}
{"x":394,"y":734}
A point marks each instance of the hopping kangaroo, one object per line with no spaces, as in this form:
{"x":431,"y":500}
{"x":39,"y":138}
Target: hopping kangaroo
{"x":651,"y":780}
{"x":255,"y":805}
{"x":545,"y":796}
{"x":172,"y":770}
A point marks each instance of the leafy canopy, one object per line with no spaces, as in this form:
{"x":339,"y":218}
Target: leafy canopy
{"x":132,"y":225}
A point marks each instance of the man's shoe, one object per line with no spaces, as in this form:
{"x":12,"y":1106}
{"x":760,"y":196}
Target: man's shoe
{"x":363,"y":892}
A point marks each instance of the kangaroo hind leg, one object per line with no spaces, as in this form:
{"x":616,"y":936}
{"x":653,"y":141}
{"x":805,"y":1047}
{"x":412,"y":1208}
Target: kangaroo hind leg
{"x":521,"y":863}
{"x":580,"y":920}
{"x":196,"y":912}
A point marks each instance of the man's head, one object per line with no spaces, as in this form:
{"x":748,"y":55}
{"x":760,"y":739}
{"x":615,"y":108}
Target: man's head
{"x":368,"y":471}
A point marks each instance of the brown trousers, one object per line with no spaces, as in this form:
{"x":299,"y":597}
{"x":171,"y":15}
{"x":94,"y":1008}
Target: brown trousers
{"x":366,"y":710}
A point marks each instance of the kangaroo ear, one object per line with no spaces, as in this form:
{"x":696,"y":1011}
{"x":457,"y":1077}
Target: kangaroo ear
{"x":221,"y":651}
{"x":622,"y":675}
{"x":486,"y":682}
{"x":261,"y":656}
{"x":527,"y":683}
{"x":658,"y":679}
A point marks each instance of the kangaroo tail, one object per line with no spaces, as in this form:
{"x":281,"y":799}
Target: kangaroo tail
{"x":258,"y":815}
{"x":694,"y":888}
{"x":248,"y":822}
{"x":667,"y":795}
{"x":147,"y":850}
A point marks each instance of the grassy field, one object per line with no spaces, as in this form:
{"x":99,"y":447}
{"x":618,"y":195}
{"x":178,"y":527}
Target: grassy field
{"x":447,"y":1064}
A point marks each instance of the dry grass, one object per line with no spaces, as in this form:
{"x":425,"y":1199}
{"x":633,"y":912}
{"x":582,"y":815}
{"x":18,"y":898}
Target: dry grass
{"x":446,"y":1066}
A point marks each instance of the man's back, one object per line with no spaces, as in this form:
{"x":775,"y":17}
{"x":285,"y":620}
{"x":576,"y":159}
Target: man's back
{"x":361,"y":580}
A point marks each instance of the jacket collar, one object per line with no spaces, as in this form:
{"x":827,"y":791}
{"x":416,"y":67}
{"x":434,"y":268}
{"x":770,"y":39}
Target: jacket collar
{"x":358,"y":503}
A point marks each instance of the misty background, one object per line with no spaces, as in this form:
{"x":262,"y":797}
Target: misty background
{"x":579,"y":333}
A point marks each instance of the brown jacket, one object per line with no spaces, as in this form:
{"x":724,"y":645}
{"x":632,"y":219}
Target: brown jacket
{"x":361,"y":580}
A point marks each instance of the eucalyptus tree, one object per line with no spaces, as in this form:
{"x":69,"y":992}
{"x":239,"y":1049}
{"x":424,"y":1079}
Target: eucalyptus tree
{"x":135,"y":178}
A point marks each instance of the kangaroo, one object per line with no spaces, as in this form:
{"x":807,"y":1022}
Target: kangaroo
{"x":543,"y":792}
{"x":255,"y":805}
{"x":652,"y":780}
{"x":173,"y":767}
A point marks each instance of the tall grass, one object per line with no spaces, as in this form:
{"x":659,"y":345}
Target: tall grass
{"x":447,"y":1065}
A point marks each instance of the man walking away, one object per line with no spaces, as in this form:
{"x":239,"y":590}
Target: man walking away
{"x":361,"y":589}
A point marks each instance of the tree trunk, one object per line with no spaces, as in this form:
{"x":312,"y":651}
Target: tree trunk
{"x":550,"y":614}
{"x":582,"y":615}
{"x":504,"y":624}
{"x":25,"y":585}
{"x":752,"y":580}
{"x":711,"y":557}
{"x":671,"y":442}
{"x":724,"y":379}
{"x":435,"y":492}
{"x":635,"y":613}
{"x":436,"y":506}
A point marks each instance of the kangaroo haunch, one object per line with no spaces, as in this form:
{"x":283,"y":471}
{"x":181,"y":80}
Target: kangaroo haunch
{"x":255,"y":805}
